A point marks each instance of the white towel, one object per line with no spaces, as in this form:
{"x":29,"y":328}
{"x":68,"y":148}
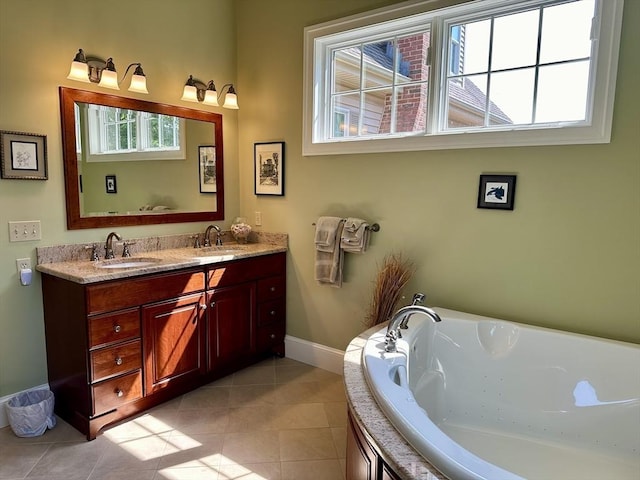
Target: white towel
{"x":329,"y":255}
{"x":355,"y":235}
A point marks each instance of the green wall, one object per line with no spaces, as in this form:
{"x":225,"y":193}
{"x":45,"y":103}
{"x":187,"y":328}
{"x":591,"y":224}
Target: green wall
{"x":567,"y":257}
{"x":38,"y":40}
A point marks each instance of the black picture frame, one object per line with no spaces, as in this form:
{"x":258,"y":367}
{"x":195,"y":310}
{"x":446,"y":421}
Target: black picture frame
{"x":23,"y":156}
{"x":110,"y":184}
{"x":497,"y":192}
{"x":268,"y":168}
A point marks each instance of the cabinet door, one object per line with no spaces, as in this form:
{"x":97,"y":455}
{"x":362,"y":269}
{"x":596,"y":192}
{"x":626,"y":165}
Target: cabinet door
{"x":361,"y":458}
{"x":174,"y":341}
{"x":231,"y":317}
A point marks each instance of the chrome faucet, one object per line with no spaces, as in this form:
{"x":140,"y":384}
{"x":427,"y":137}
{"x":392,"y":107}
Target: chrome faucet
{"x":207,"y":235}
{"x":108,"y":246}
{"x":402,"y":316}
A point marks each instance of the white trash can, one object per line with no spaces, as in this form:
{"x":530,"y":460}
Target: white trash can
{"x":31,"y":413}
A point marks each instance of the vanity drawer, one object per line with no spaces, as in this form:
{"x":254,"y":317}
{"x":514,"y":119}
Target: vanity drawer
{"x":270,"y":312}
{"x":114,"y":327}
{"x":270,"y":337}
{"x":120,"y":294}
{"x":246,"y":270}
{"x":111,"y":361}
{"x":270,"y":288}
{"x":113,"y":393}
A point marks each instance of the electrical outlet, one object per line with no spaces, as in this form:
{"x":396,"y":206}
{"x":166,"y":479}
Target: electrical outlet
{"x":23,"y":263}
{"x":25,"y":231}
{"x":258,"y":219}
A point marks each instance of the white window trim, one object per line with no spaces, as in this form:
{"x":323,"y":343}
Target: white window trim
{"x":598,"y":131}
{"x":133,"y":156}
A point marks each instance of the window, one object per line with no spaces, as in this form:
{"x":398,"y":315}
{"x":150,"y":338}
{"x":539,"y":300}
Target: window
{"x":503,"y":72}
{"x":119,"y":134}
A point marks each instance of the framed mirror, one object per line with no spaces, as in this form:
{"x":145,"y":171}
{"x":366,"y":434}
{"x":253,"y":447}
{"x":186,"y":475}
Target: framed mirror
{"x":133,"y":162}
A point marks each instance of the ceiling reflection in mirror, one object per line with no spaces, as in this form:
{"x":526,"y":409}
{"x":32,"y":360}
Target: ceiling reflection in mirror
{"x":130,"y":162}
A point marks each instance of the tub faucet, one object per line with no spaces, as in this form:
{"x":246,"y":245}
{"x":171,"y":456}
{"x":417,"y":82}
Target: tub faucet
{"x":108,"y":246}
{"x":207,"y":235}
{"x":402,"y":315}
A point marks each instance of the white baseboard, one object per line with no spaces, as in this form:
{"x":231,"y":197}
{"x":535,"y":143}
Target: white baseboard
{"x":4,"y":420}
{"x":314,"y":354}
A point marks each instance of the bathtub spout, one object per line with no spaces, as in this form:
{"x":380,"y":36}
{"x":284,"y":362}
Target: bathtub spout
{"x":402,"y":317}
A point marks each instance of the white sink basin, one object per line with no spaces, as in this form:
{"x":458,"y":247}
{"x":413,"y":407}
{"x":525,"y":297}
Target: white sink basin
{"x":131,"y":262}
{"x":219,"y":250}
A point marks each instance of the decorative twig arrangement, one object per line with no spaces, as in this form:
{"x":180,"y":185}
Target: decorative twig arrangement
{"x":392,"y":276}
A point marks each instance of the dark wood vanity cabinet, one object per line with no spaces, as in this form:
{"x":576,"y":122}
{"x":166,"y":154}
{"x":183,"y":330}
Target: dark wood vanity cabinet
{"x":364,"y":462}
{"x":119,"y":347}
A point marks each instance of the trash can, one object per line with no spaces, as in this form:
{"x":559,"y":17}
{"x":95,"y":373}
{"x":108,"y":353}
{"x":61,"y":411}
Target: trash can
{"x":31,"y":413}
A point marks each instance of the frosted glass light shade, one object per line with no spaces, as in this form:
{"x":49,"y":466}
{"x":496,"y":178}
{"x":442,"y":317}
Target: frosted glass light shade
{"x":211,"y":98}
{"x":109,"y":79}
{"x":231,"y":101}
{"x":138,"y":84}
{"x":190,"y":94}
{"x":79,"y":71}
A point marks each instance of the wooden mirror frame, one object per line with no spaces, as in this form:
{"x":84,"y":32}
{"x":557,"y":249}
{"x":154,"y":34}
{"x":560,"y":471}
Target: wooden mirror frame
{"x":75,"y":220}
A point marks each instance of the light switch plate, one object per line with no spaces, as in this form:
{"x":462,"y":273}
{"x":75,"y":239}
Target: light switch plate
{"x":258,"y":219}
{"x":25,"y":231}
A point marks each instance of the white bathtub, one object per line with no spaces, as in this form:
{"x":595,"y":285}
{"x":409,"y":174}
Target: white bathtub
{"x":489,"y":399}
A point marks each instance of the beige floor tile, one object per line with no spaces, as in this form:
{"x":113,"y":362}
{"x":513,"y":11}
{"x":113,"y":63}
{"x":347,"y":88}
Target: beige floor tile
{"x":62,"y":432}
{"x":300,"y":392}
{"x":312,"y":470}
{"x":191,"y":451}
{"x":191,"y":473}
{"x":132,"y":454}
{"x":307,"y":444}
{"x":250,"y":471}
{"x":339,"y":435}
{"x":251,"y":395}
{"x":154,"y":423}
{"x":302,"y":415}
{"x":16,"y":461}
{"x":252,"y":447}
{"x":212,"y":420}
{"x":255,"y":376}
{"x":248,"y":419}
{"x":70,"y":458}
{"x":212,"y":397}
{"x":121,"y":475}
{"x":336,"y":413}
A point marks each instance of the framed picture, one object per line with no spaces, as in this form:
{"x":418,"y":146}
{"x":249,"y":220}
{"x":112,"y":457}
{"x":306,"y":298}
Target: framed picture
{"x":269,"y":168}
{"x":110,"y":183}
{"x":207,"y":154}
{"x":23,"y":155}
{"x":497,"y":191}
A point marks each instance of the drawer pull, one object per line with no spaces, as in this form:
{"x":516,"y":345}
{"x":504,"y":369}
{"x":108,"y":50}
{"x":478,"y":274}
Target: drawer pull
{"x":273,"y":289}
{"x":203,"y":306}
{"x":119,"y":393}
{"x":118,"y":361}
{"x":213,"y":304}
{"x":272,"y":313}
{"x":117,"y":328}
{"x":273,"y":336}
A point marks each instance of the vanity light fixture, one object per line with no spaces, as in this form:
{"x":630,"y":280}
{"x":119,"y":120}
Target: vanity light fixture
{"x":196,"y":91}
{"x":91,"y":69}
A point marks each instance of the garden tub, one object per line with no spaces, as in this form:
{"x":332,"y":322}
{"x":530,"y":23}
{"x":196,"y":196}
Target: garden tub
{"x":482,"y":398}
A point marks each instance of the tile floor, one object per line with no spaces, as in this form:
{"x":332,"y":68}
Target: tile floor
{"x":277,"y":420}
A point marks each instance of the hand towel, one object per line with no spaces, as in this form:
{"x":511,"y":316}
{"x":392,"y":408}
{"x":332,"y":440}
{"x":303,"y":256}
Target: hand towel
{"x":326,"y":233}
{"x":329,"y":256}
{"x":355,"y":235}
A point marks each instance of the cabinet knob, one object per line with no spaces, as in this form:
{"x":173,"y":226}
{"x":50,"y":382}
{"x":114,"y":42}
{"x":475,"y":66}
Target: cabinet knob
{"x":212,"y":304}
{"x":119,"y":393}
{"x":272,"y":313}
{"x":117,"y":328}
{"x":118,"y":361}
{"x":273,"y":336}
{"x":273,"y":289}
{"x":203,"y":306}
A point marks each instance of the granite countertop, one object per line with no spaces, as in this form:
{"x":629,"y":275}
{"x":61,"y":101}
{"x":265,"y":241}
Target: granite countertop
{"x":71,"y":262}
{"x":401,"y":456}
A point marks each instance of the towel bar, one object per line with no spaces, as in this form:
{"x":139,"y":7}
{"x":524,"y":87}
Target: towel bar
{"x":374,"y":227}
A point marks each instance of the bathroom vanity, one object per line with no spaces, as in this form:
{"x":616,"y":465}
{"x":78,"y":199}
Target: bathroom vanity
{"x":122,"y":342}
